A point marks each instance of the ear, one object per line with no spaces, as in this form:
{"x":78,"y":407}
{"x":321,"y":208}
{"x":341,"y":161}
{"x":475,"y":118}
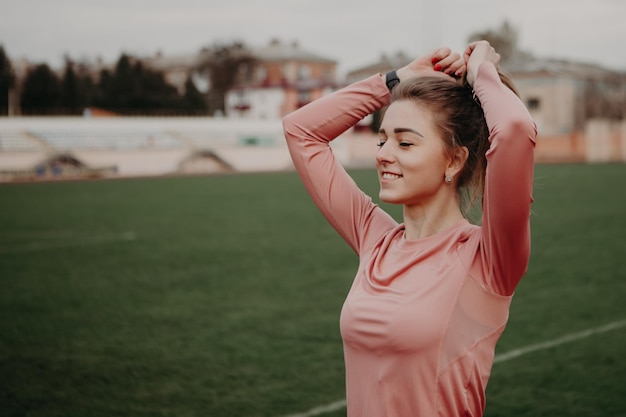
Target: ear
{"x":457,"y":161}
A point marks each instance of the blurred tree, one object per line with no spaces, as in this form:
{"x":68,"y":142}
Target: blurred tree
{"x":72,"y":95}
{"x":120,"y":86}
{"x":133,"y":88}
{"x":103,"y":89}
{"x":41,"y":91}
{"x":87,"y":87}
{"x":504,"y":40}
{"x":77,"y":87}
{"x":153,"y":91}
{"x":223,"y":64}
{"x":7,"y":81}
{"x":193,"y":100}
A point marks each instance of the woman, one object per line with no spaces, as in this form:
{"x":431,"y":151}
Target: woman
{"x":431,"y":295}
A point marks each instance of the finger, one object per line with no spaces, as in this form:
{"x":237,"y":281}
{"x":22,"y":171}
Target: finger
{"x":497,"y":60}
{"x":458,"y":68}
{"x":439,"y":54}
{"x":460,"y":72}
{"x":445,"y":64}
{"x":479,"y":43}
{"x":468,"y":51}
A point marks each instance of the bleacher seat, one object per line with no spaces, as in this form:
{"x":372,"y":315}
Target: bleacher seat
{"x":65,"y":140}
{"x":17,"y":141}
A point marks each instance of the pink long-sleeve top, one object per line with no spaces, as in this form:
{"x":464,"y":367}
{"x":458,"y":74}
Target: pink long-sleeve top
{"x":422,"y":318}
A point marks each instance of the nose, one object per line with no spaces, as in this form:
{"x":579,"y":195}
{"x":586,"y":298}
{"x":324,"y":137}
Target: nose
{"x":384,"y":155}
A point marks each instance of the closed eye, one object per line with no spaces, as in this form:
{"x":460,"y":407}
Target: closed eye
{"x":399,"y":131}
{"x":401,"y":144}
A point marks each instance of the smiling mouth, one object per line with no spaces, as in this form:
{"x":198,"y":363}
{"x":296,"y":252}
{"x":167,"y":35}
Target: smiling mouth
{"x":390,"y":176}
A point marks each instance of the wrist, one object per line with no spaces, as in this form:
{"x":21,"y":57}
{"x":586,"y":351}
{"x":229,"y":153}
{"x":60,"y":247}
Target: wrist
{"x":392,"y":79}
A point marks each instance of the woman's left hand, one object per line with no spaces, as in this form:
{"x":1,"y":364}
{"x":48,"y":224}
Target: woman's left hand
{"x":442,"y":62}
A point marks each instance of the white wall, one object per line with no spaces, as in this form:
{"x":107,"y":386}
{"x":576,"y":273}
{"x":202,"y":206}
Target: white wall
{"x":265,"y":103}
{"x":606,"y":141}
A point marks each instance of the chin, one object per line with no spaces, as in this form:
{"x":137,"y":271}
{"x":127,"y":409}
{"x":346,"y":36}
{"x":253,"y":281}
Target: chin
{"x":385,"y":198}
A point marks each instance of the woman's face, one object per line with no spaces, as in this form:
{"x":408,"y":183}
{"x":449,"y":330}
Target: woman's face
{"x":411,"y":161}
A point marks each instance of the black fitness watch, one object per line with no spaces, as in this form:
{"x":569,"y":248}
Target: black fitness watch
{"x":391,"y":79}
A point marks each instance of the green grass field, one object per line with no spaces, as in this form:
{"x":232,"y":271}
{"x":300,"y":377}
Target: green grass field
{"x":220,"y":296}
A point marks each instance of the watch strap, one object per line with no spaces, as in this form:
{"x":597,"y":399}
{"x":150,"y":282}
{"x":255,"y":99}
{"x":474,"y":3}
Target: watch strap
{"x":391,"y":79}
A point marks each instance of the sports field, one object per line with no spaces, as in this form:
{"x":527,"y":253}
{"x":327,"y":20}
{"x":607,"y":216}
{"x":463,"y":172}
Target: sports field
{"x":220,"y":296}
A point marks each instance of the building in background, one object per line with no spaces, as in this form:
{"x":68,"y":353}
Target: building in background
{"x":177,"y":69}
{"x":563,"y":96}
{"x":284,"y":78}
{"x":384,"y":64}
{"x":579,"y":108}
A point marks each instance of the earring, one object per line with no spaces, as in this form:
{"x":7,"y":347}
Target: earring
{"x":448,"y":179}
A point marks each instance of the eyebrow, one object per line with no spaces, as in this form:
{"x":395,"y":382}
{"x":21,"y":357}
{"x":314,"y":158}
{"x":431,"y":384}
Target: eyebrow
{"x":402,"y":130}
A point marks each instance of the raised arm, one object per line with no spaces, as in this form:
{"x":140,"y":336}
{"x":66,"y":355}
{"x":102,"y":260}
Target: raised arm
{"x":309,"y":131}
{"x":509,"y":177}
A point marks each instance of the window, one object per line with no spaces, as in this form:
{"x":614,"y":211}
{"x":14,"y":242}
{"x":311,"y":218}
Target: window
{"x":533,"y":103}
{"x":304,"y":72}
{"x":261,"y":73}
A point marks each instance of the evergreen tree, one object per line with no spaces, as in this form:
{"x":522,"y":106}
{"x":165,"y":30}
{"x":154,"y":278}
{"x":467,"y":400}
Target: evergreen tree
{"x":77,"y":87}
{"x":102,"y":91}
{"x":193,"y":100}
{"x":122,"y":86}
{"x":153,"y":92}
{"x":504,"y":40}
{"x":70,"y":88}
{"x":41,"y":92}
{"x":86,"y":85}
{"x":133,"y":88}
{"x":7,"y":80}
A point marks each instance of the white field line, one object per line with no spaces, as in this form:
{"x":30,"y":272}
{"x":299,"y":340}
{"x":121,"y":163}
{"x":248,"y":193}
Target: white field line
{"x":68,"y":242}
{"x":515,"y":353}
{"x":572,"y":337}
{"x":322,"y":409}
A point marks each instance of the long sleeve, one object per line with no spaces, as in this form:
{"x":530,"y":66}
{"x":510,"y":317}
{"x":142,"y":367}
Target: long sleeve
{"x":505,"y":245}
{"x":308,"y":132}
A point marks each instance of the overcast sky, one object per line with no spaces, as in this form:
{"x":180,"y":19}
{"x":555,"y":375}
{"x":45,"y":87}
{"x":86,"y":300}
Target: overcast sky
{"x":353,"y":32}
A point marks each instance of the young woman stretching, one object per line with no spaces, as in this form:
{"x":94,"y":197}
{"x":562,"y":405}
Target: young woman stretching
{"x":431,"y":295}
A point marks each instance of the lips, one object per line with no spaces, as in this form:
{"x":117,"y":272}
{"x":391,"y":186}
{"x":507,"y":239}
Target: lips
{"x":390,"y":176}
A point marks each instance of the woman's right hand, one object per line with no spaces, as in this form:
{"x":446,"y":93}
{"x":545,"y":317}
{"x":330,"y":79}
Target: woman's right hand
{"x":442,"y":63}
{"x":475,"y":54}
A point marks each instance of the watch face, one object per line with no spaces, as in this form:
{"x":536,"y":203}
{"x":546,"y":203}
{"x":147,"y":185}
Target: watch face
{"x":391,"y":80}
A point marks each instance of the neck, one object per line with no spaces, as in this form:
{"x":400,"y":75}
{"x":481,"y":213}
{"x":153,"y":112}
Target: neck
{"x":421,"y":221}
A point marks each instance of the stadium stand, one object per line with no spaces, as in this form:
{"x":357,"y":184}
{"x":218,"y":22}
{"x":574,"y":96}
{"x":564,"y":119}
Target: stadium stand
{"x":36,"y":148}
{"x":67,"y":140}
{"x":18,"y":141}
